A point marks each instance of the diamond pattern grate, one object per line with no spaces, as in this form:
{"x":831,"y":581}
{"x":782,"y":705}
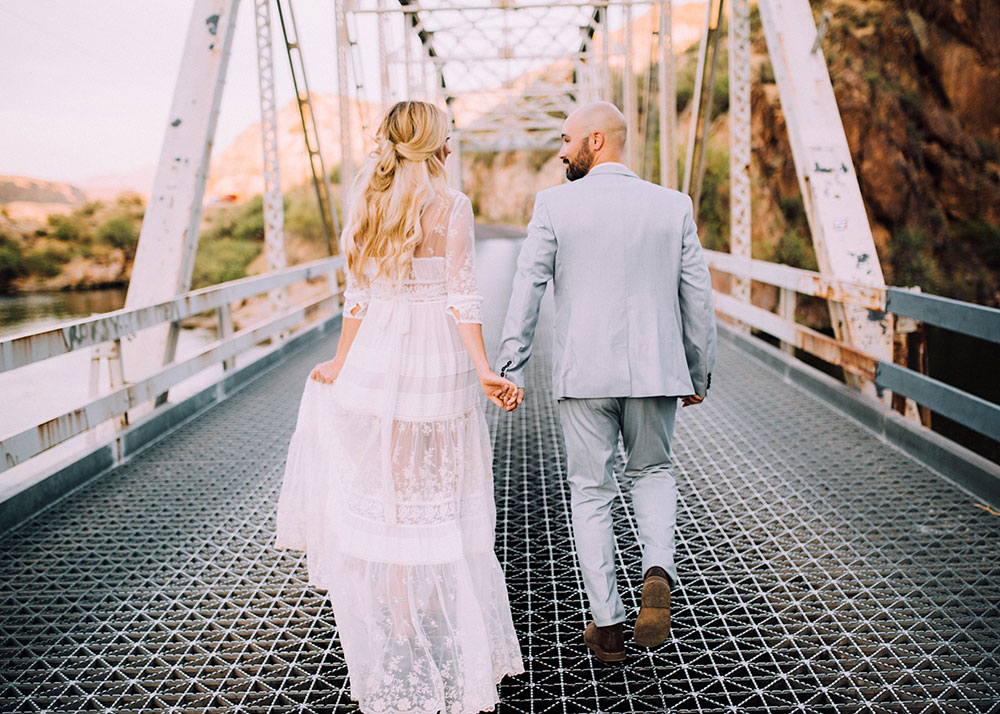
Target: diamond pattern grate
{"x":822,"y":572}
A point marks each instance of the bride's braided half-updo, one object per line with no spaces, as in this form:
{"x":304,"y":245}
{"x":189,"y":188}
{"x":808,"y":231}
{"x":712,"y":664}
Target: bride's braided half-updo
{"x":394,"y":187}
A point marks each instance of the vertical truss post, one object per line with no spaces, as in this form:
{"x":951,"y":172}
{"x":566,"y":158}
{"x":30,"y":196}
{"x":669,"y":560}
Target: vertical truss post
{"x":739,"y":141}
{"x":321,"y":179}
{"x":407,"y":54}
{"x":274,"y":205}
{"x":707,"y":103}
{"x":383,"y":59}
{"x":838,"y":221}
{"x":608,"y":86}
{"x":168,"y":239}
{"x":667,"y":81}
{"x":628,"y":96}
{"x":699,"y":78}
{"x":343,"y":104}
{"x":454,"y":161}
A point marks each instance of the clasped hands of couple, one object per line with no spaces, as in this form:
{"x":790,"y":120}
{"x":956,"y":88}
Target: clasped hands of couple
{"x":499,"y":390}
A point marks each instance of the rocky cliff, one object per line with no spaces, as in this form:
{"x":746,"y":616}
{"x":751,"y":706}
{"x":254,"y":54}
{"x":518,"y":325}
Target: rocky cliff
{"x":918,"y":86}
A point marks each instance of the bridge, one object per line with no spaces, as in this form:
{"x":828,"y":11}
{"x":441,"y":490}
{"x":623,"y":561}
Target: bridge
{"x":835,"y":554}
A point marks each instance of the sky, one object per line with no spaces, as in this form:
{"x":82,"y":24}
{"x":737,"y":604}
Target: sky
{"x":85,"y":87}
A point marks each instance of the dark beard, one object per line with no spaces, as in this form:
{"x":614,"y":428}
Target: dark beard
{"x":578,"y":166}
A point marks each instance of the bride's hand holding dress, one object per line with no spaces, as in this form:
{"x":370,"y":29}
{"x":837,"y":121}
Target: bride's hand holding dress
{"x":326,"y":372}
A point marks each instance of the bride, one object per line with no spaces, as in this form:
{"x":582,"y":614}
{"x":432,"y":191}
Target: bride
{"x":388,"y":485}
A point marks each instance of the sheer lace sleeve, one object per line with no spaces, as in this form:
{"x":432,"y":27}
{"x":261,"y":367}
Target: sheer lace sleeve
{"x":355,"y":297}
{"x":460,"y":250}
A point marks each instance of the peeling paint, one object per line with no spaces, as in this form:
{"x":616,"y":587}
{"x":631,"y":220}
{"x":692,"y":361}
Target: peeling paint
{"x":213,"y":24}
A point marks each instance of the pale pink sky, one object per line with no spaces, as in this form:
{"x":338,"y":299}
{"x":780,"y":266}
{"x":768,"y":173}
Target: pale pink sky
{"x":85,"y":87}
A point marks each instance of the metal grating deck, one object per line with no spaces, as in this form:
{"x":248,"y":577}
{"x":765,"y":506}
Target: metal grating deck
{"x":822,"y":571}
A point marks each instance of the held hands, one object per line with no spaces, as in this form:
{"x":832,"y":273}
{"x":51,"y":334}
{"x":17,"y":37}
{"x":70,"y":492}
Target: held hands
{"x":326,"y":372}
{"x":502,"y":392}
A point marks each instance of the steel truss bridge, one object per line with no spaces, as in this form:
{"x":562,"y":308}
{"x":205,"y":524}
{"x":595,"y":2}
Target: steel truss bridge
{"x":836,"y":555}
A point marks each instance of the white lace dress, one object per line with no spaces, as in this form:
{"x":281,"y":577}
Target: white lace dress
{"x":389,"y":489}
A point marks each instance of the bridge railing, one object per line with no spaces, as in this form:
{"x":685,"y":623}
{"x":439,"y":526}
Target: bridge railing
{"x":966,"y":318}
{"x":112,"y":327}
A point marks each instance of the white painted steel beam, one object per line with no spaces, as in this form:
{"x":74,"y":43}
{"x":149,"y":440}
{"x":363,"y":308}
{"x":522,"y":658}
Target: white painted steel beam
{"x":20,"y":350}
{"x":807,"y":282}
{"x":667,"y":81}
{"x":30,"y":442}
{"x":343,"y":103}
{"x":853,"y":360}
{"x":168,"y":239}
{"x":838,"y":222}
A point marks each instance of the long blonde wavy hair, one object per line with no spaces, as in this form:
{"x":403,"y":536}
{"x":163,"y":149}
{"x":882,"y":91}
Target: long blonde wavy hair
{"x":400,"y":179}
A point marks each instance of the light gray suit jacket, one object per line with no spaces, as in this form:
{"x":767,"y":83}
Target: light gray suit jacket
{"x":632,"y":290}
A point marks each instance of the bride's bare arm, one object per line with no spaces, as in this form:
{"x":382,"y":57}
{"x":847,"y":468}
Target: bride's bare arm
{"x":498,"y":390}
{"x":327,"y":371}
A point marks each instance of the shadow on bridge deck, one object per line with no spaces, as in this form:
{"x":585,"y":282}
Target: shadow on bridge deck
{"x":822,"y":571}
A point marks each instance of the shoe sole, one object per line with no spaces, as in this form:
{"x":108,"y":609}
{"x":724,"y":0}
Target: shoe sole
{"x":652,"y":626}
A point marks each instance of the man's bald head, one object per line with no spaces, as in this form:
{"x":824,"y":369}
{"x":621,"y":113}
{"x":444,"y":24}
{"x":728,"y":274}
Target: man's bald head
{"x":603,"y":117}
{"x":593,"y":134}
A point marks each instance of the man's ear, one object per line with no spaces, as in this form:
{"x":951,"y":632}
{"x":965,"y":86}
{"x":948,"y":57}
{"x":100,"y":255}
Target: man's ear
{"x":597,"y":140}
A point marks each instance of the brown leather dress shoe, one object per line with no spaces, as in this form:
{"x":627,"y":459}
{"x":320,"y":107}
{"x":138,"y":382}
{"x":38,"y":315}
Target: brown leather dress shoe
{"x":607,"y":643}
{"x":652,"y":626}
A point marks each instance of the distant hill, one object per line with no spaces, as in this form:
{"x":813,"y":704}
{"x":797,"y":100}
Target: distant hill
{"x":21,"y":189}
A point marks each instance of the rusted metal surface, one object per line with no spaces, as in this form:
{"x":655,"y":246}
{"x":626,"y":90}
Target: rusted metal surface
{"x":838,"y":222}
{"x":826,"y":348}
{"x":32,"y":441}
{"x":807,"y":282}
{"x":125,"y":323}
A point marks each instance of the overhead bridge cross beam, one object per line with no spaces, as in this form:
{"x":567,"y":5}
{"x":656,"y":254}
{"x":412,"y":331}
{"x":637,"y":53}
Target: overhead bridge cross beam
{"x":491,"y":63}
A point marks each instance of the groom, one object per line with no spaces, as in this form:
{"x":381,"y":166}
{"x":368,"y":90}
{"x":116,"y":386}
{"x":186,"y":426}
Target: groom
{"x":634,"y":330}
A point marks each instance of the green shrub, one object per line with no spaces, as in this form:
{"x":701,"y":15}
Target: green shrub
{"x":984,"y":240}
{"x":245,"y":222}
{"x":713,"y":208}
{"x":796,"y":250}
{"x":67,"y":228}
{"x":88,"y":209}
{"x":45,"y":262}
{"x":990,"y":148}
{"x":11,"y":262}
{"x":119,"y":232}
{"x":130,"y":200}
{"x":720,"y":92}
{"x":302,"y":217}
{"x":913,"y":262}
{"x":793,"y":209}
{"x":219,"y":260}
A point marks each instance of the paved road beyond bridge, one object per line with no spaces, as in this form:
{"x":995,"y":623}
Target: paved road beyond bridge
{"x":822,"y":570}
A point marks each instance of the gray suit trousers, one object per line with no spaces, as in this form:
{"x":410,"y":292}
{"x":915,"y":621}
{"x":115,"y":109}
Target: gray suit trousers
{"x":591,"y":428}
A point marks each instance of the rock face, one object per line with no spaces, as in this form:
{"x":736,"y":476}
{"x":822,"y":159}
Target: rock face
{"x":238,"y":170}
{"x":918,"y":86}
